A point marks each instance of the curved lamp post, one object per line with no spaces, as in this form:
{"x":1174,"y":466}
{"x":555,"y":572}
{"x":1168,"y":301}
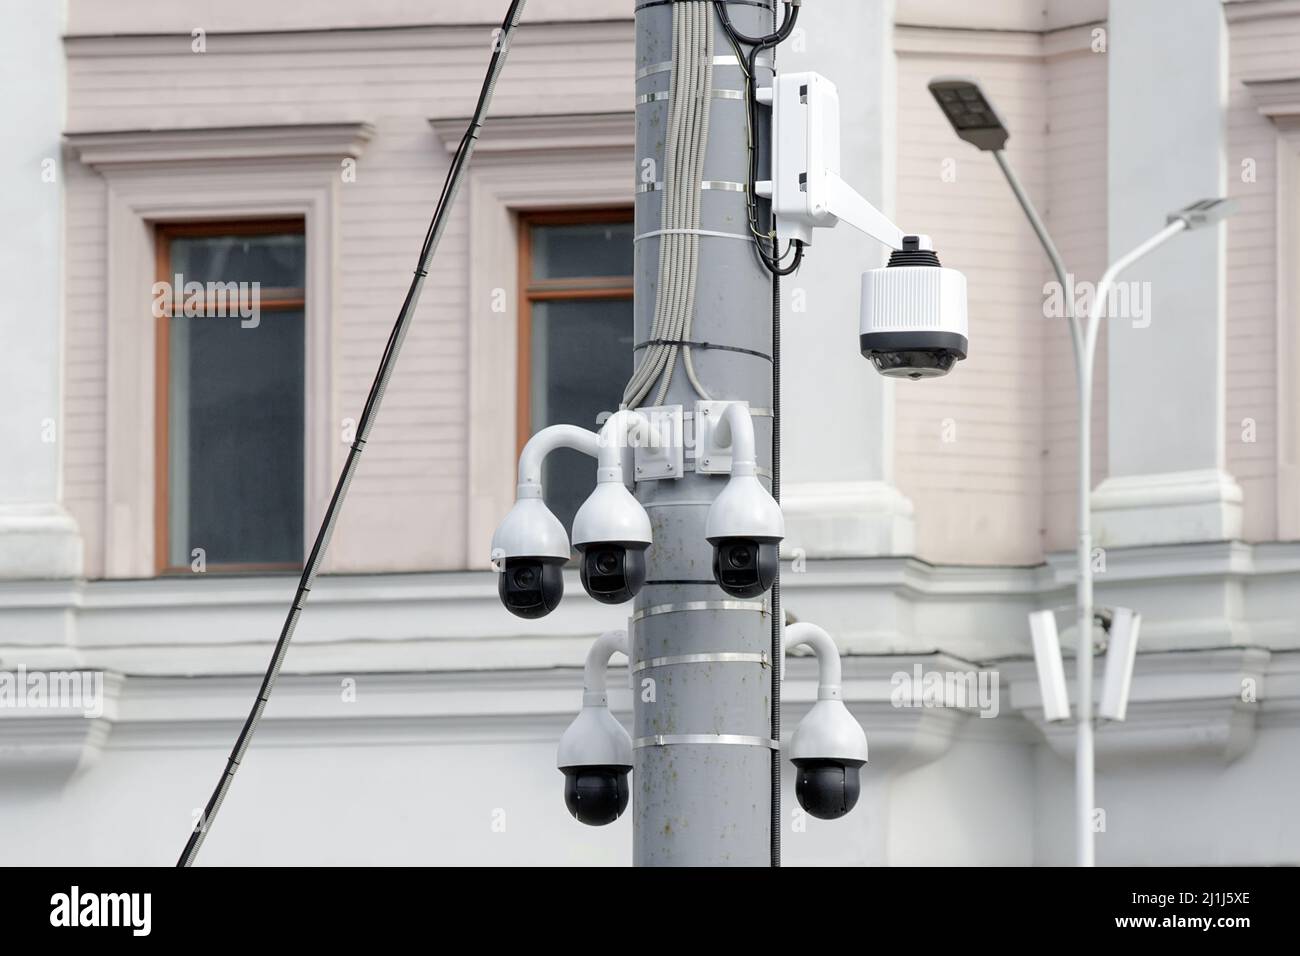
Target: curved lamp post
{"x":974,"y":120}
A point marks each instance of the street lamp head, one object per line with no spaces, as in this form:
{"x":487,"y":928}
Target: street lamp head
{"x":1204,"y":212}
{"x":972,"y":116}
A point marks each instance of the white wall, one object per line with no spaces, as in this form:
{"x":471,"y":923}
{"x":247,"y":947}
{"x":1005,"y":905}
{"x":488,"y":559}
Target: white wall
{"x":459,"y":705}
{"x":90,"y":17}
{"x":1259,"y":48}
{"x":970,"y":445}
{"x":37,"y":537}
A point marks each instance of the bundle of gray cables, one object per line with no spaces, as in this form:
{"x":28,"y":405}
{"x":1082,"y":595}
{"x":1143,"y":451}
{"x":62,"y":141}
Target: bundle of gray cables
{"x":690,"y":93}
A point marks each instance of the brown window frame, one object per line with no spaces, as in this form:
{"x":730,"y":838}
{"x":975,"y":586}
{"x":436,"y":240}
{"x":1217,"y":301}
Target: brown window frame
{"x":545,"y":290}
{"x":164,"y":233}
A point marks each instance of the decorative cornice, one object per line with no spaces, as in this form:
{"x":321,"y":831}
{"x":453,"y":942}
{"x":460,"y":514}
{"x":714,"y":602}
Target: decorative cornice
{"x":155,"y":38}
{"x":996,"y":44}
{"x":1276,"y":96}
{"x":1199,"y":703}
{"x":332,"y":141}
{"x":1196,"y":702}
{"x":922,"y":40}
{"x":542,"y":132}
{"x":46,"y":744}
{"x":1238,"y":11}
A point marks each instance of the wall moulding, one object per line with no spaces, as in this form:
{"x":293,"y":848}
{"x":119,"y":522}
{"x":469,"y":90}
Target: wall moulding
{"x":520,"y":163}
{"x":162,"y":175}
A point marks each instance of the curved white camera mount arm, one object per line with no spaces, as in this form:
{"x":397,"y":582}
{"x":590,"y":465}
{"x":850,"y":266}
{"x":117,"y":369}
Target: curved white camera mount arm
{"x":594,"y":684}
{"x":828,"y":656}
{"x":606,"y":447}
{"x":542,"y":444}
{"x":735,"y":429}
{"x":596,"y":739}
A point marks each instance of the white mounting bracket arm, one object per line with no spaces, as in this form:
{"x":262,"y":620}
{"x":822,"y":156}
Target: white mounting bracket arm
{"x":828,"y":656}
{"x":846,"y":204}
{"x":806,"y":189}
{"x":594,"y":692}
{"x":542,"y":444}
{"x":626,"y":428}
{"x":724,"y":438}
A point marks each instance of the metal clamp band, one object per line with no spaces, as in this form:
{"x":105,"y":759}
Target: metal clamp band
{"x":689,"y":468}
{"x":762,"y":63}
{"x":720,"y":657}
{"x":645,"y":612}
{"x":761,"y":4}
{"x":733,"y":740}
{"x":754,"y":410}
{"x":716,"y":184}
{"x":687,"y":343}
{"x":662,"y":95}
{"x":694,"y":232}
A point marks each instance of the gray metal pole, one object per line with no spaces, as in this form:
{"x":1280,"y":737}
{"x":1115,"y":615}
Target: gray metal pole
{"x":701,"y":711}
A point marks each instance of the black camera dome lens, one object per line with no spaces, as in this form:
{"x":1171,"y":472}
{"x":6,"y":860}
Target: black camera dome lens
{"x":596,"y":796}
{"x":740,"y":556}
{"x":745,"y":567}
{"x":531,"y":587}
{"x":827,"y":788}
{"x":613,"y":572}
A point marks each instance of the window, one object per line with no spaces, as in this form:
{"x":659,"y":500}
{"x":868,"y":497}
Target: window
{"x":230,"y":395}
{"x":575,"y":335}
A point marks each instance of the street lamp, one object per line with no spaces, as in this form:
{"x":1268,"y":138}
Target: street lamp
{"x":974,"y":120}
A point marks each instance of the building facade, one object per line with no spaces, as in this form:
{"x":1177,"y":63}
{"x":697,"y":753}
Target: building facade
{"x":165,"y":473}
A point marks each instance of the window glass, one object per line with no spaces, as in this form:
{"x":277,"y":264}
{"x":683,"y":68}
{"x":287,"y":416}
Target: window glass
{"x":234,"y":405}
{"x":590,"y":250}
{"x":578,"y":357}
{"x":275,"y":261}
{"x":582,"y":359}
{"x":236,"y":440}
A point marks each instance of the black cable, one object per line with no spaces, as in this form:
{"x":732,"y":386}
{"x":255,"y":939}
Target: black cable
{"x":795,"y":263}
{"x":771,"y":39}
{"x":771,"y":260}
{"x":778,"y":616}
{"x":386,"y":365}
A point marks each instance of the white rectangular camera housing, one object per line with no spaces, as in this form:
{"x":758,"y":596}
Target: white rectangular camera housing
{"x":805,"y":148}
{"x":1121,"y":654}
{"x":1051,"y":671}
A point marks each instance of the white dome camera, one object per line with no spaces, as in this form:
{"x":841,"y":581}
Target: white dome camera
{"x":595,"y":752}
{"x":611,"y":530}
{"x":530,"y":547}
{"x":913,"y":315}
{"x":829,"y":746}
{"x":744,"y":524}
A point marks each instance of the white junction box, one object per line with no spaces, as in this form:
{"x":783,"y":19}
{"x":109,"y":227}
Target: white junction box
{"x":806,"y":190}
